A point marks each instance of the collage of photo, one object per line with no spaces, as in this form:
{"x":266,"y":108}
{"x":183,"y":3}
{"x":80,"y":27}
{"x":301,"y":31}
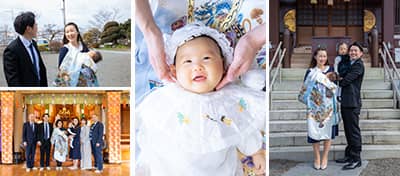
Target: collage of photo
{"x":208,"y":98}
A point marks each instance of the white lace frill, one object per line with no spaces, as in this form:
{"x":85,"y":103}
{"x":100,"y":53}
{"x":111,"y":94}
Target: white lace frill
{"x":201,"y":123}
{"x":191,"y":31}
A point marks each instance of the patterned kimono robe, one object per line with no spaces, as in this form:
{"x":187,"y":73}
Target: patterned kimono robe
{"x":319,"y":95}
{"x":60,"y":141}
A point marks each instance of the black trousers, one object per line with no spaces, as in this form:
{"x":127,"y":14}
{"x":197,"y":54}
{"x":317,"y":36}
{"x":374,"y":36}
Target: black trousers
{"x":352,"y":131}
{"x":30,"y":154}
{"x":45,"y":153}
{"x":58,"y":163}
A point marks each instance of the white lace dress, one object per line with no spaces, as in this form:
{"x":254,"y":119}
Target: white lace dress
{"x":182,"y":133}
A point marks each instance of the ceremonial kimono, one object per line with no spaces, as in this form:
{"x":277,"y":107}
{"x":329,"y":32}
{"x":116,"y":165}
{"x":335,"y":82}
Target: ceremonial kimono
{"x":318,"y":93}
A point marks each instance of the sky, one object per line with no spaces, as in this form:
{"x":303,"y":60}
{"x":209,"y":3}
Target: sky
{"x":49,"y":11}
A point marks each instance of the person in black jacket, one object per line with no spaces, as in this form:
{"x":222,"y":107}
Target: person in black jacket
{"x":23,"y":64}
{"x":44,"y":134}
{"x":351,"y":106}
{"x":29,"y":137}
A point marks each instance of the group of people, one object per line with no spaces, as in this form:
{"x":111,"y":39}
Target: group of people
{"x":81,"y":140}
{"x":327,"y":88}
{"x":24,"y":66}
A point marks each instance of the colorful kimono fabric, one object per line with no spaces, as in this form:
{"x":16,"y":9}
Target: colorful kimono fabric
{"x":77,"y":69}
{"x":319,"y":95}
{"x":59,"y":139}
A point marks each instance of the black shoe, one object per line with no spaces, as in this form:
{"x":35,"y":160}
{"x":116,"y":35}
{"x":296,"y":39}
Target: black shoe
{"x":343,"y":160}
{"x":352,"y":165}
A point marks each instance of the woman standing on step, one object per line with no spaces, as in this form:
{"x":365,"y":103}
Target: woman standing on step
{"x":319,"y":94}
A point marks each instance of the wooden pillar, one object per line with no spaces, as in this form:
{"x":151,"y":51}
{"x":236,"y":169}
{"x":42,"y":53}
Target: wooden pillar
{"x":114,"y":126}
{"x":374,"y":48}
{"x":388,"y":21}
{"x":274,"y":22}
{"x":7,"y":127}
{"x":329,"y":20}
{"x":313,"y":20}
{"x":287,"y":45}
{"x":347,"y":18}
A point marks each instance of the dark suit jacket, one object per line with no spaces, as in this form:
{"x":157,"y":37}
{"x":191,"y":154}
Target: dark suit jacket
{"x":97,"y":133}
{"x":351,"y":85}
{"x":40,"y":132}
{"x":18,"y":66}
{"x":28,"y":135}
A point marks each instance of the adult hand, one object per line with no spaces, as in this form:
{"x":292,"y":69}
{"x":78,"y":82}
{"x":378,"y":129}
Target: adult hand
{"x":245,"y":52}
{"x":97,"y":144}
{"x":25,"y":144}
{"x":157,"y":56}
{"x":153,"y":38}
{"x":259,"y":164}
{"x":39,"y":143}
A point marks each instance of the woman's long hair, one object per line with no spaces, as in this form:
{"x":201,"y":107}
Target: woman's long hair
{"x":313,"y":62}
{"x":65,"y":40}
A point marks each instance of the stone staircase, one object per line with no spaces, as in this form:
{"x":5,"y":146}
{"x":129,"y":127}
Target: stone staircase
{"x":379,"y":122}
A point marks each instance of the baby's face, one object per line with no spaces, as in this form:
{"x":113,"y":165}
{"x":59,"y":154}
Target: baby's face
{"x":343,"y":49}
{"x":92,"y":54}
{"x":199,"y":65}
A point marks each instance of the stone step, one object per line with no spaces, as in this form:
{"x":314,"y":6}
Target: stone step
{"x":300,"y":138}
{"x":300,"y":114}
{"x":305,"y":153}
{"x":366,"y":103}
{"x":295,"y":85}
{"x":365,"y":94}
{"x":301,"y":125}
{"x":298,"y":73}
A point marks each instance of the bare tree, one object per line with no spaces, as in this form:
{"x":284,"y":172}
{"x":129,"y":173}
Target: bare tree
{"x":51,"y":31}
{"x":103,"y":16}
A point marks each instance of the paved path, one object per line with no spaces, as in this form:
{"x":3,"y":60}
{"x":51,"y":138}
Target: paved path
{"x":113,"y":71}
{"x":333,"y":169}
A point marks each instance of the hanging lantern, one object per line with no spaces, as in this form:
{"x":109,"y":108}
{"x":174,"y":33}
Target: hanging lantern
{"x":314,"y":2}
{"x":346,"y":0}
{"x":330,"y":2}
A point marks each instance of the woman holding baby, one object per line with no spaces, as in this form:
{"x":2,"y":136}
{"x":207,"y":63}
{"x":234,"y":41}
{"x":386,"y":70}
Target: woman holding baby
{"x":76,"y":64}
{"x":319,"y":93}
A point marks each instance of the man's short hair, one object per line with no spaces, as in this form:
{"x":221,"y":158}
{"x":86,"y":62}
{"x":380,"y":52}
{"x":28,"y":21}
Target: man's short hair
{"x":22,"y":21}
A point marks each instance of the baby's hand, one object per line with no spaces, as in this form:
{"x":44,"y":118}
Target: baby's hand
{"x":259,"y":163}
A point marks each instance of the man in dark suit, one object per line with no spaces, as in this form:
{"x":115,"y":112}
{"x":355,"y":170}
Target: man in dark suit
{"x":96,"y":140}
{"x":44,"y":134}
{"x":23,"y":64}
{"x":351,"y":106}
{"x":29,"y":136}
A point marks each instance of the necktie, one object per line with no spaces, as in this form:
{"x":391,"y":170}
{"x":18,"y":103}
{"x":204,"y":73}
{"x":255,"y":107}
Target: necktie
{"x":34,"y":61}
{"x":45,"y":131}
{"x":33,"y":128}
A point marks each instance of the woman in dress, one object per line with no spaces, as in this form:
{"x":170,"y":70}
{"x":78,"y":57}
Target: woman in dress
{"x":86,"y":151}
{"x":320,"y":93}
{"x":60,"y":141}
{"x":75,"y":153}
{"x":70,"y":67}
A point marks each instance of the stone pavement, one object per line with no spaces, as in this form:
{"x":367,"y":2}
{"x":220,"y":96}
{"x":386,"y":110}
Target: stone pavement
{"x":375,"y":167}
{"x":113,"y":71}
{"x":333,"y":169}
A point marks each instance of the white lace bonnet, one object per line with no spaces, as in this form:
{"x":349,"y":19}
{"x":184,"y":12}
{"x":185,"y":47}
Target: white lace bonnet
{"x":191,"y":31}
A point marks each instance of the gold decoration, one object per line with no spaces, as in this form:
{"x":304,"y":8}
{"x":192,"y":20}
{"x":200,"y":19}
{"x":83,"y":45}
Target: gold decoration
{"x":290,"y":20}
{"x":369,"y":20}
{"x":114,"y":126}
{"x":7,"y":126}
